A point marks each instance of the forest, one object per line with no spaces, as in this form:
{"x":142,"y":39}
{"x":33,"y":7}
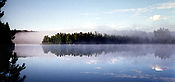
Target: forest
{"x":160,"y":36}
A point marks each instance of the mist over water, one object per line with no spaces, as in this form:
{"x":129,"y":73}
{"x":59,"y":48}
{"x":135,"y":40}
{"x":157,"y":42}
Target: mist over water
{"x":31,"y":37}
{"x":37,"y":37}
{"x":98,"y":63}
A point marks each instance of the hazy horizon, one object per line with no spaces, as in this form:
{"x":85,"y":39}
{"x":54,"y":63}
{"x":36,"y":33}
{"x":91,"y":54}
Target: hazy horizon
{"x":87,"y":40}
{"x":37,"y":37}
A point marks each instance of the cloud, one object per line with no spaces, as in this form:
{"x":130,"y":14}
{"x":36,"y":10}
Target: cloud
{"x":91,"y":62}
{"x":138,"y":10}
{"x":167,"y":79}
{"x":92,"y":26}
{"x":139,"y":76}
{"x":137,"y":71}
{"x":166,"y":5}
{"x":97,"y":18}
{"x":97,"y":68}
{"x":88,"y":14}
{"x":88,"y":72}
{"x":173,"y":12}
{"x":159,"y":68}
{"x":113,"y":61}
{"x":121,"y":75}
{"x":158,"y":17}
{"x":155,"y":17}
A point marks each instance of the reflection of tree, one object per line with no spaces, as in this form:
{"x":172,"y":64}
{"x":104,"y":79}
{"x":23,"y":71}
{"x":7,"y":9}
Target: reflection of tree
{"x":164,"y":51}
{"x":73,"y":50}
{"x":10,"y":71}
{"x":161,"y":51}
{"x":61,"y":50}
{"x":86,"y":50}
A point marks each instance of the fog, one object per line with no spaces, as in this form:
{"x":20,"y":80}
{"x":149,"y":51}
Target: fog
{"x":30,"y":37}
{"x":37,"y":37}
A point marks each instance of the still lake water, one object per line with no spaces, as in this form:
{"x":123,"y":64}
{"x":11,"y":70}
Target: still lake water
{"x":97,"y":63}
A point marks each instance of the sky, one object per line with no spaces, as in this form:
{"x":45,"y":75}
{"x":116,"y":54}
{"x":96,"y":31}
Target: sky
{"x":90,"y":15}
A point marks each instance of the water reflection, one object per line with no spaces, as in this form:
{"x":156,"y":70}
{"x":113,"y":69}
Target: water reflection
{"x":161,"y":51}
{"x":9,"y":69}
{"x":103,"y":63}
{"x":164,"y":51}
{"x":159,"y":68}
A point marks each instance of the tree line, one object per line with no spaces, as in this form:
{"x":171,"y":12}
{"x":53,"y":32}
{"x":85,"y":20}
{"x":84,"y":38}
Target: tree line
{"x":90,"y":38}
{"x":160,"y":36}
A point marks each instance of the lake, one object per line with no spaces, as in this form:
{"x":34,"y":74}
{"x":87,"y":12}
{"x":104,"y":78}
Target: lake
{"x":97,"y":63}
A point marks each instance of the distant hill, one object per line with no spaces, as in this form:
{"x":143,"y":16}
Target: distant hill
{"x":17,"y":31}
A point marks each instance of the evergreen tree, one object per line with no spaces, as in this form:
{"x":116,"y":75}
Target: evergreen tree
{"x":5,"y":33}
{"x":9,"y":70}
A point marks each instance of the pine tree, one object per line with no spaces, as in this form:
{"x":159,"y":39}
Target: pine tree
{"x":6,"y":34}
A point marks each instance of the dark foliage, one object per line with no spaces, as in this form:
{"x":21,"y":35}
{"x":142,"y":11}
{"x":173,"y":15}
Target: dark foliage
{"x":9,"y":70}
{"x":90,"y":38}
{"x":5,"y":33}
{"x":160,"y":36}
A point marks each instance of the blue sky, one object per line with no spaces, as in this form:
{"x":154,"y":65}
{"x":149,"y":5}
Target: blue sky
{"x":90,"y":15}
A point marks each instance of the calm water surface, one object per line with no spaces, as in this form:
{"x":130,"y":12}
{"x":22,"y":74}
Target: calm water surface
{"x":97,"y":63}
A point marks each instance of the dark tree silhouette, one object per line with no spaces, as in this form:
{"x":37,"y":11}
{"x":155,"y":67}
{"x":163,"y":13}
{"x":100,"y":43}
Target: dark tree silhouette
{"x":160,"y":36}
{"x":5,"y":33}
{"x":9,"y":70}
{"x":163,"y":35}
{"x":91,"y":38}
